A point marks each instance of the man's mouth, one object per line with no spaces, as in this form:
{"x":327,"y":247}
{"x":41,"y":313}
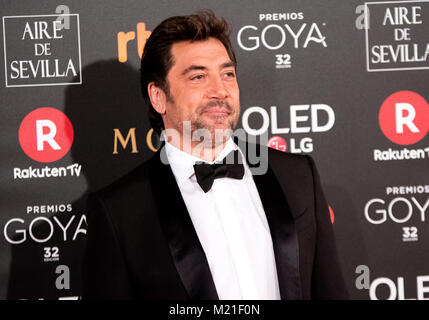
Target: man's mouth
{"x":217,"y":111}
{"x":217,"y":108}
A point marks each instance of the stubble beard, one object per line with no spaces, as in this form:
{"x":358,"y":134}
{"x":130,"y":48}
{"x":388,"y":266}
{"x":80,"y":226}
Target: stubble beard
{"x":205,"y":132}
{"x":218,"y":129}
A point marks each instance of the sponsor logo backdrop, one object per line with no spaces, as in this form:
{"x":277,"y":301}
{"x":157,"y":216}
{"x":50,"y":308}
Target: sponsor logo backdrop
{"x":344,"y":81}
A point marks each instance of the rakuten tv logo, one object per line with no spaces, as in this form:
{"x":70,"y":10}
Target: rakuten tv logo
{"x":46,"y":135}
{"x":404,"y":117}
{"x":404,"y":120}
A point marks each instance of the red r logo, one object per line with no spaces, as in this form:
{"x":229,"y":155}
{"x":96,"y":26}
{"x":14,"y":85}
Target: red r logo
{"x":404,"y":117}
{"x":46,"y":135}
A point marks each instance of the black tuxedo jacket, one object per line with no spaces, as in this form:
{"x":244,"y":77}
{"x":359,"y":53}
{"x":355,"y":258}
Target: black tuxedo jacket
{"x":141,"y":242}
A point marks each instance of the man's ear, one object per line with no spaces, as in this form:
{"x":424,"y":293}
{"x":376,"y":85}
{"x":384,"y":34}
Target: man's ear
{"x":157,"y":98}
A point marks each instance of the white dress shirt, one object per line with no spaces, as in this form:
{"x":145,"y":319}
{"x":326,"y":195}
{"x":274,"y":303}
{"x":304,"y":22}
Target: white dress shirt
{"x":232,"y":228}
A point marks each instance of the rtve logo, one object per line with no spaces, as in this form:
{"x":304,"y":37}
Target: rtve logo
{"x":124,"y":38}
{"x":46,"y":135}
{"x":404,"y":117}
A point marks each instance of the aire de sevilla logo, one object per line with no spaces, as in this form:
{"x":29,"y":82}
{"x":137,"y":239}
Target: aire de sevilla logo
{"x":46,"y":135}
{"x":404,"y":117}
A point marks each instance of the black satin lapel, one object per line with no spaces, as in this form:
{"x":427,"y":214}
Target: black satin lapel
{"x":185,"y":247}
{"x":283,"y":234}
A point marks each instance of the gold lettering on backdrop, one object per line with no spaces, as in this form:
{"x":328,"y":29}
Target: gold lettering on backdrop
{"x":149,"y":140}
{"x":130,"y":136}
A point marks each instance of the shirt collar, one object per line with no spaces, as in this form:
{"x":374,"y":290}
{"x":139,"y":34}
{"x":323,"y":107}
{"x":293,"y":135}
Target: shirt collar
{"x":182,"y":163}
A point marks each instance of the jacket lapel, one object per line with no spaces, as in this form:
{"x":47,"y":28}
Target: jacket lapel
{"x":185,"y":247}
{"x":282,"y":228}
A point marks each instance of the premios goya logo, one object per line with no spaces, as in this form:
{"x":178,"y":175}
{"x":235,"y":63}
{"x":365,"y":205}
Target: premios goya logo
{"x":406,"y":206}
{"x":43,"y":223}
{"x":41,"y":50}
{"x":282,"y":34}
{"x":404,"y":120}
{"x":49,"y":230}
{"x":46,"y":135}
{"x":397,"y":35}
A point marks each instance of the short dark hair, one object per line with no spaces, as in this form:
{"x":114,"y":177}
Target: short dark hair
{"x":157,"y":61}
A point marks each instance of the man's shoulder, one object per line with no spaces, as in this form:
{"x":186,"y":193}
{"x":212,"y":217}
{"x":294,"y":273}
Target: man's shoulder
{"x":284,"y":164}
{"x":277,"y":160}
{"x":291,"y":166}
{"x":136,"y":180}
{"x":275,"y":155}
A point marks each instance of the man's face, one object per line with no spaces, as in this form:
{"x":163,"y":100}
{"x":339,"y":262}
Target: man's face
{"x":203,"y":88}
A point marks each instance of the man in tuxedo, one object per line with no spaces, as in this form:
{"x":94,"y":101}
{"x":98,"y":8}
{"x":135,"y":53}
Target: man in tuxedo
{"x":197,"y":221}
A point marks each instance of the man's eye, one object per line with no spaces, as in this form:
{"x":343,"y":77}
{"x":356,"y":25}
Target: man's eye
{"x":230,"y":74}
{"x":197,"y":77}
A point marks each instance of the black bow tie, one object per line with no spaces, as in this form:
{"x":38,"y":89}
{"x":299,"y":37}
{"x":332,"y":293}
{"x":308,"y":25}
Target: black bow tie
{"x":231,"y":167}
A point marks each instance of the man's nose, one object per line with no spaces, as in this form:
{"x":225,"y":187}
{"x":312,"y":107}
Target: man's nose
{"x":217,"y":88}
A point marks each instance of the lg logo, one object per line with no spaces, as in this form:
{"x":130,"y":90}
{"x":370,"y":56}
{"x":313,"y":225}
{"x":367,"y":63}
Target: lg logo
{"x":46,"y":135}
{"x":404,"y":117}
